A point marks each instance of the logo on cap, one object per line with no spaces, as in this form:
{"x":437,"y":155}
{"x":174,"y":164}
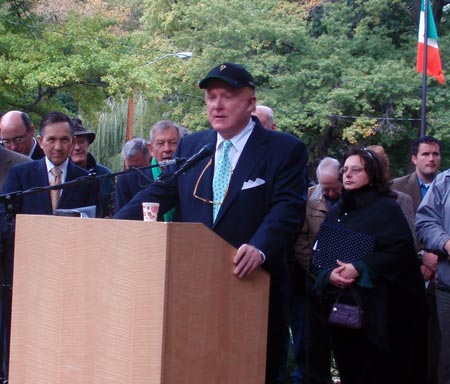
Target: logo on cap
{"x":233,"y":74}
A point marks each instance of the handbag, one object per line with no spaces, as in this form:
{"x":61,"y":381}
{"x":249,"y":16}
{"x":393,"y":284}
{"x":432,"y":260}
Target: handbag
{"x":347,"y":315}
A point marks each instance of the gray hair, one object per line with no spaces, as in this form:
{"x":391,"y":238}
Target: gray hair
{"x":135,"y":146}
{"x":162,"y":125}
{"x":328,"y":165}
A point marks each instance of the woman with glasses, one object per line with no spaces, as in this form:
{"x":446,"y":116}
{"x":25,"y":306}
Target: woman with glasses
{"x":381,"y":272}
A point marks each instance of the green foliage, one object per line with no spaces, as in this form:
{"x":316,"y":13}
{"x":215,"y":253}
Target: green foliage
{"x":40,"y":59}
{"x":335,"y":73}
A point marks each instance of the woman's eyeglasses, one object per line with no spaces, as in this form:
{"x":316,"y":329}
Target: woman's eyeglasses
{"x":353,"y":170}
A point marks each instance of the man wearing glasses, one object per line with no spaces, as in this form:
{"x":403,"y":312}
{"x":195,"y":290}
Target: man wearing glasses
{"x":257,"y":183}
{"x":17,"y":134}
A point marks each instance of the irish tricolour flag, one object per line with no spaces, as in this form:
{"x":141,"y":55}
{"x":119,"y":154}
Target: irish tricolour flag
{"x":434,"y":66}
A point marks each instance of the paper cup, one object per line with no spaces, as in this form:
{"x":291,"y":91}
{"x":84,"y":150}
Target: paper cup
{"x":150,"y":211}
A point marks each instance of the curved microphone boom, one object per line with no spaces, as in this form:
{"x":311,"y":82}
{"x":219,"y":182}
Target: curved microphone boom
{"x":206,"y":151}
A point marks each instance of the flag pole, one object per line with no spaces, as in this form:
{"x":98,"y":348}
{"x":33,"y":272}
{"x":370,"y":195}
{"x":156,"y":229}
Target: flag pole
{"x":423,"y":117}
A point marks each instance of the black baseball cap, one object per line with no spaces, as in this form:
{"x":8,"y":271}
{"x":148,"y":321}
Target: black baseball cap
{"x":233,"y":74}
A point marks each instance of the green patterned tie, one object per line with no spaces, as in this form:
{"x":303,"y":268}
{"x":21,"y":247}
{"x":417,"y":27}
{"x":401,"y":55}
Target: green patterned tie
{"x":221,"y":179}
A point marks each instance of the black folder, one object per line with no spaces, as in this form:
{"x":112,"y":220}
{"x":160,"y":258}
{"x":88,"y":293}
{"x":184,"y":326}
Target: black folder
{"x":335,"y":243}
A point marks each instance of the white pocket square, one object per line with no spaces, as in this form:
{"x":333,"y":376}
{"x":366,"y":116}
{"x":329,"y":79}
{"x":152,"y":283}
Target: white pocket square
{"x":252,"y":183}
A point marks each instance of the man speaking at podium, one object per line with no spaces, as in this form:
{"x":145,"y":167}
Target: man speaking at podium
{"x":246,"y":183}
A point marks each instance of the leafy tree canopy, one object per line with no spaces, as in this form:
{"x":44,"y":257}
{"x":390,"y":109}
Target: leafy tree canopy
{"x":335,"y":72}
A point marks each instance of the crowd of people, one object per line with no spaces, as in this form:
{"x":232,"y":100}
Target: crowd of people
{"x":353,"y":236}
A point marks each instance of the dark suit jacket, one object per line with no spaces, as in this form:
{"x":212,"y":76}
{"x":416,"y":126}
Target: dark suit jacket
{"x":267,"y":216}
{"x":38,"y":153}
{"x":7,"y":160}
{"x":130,"y":183}
{"x":409,"y":184}
{"x":34,"y":174}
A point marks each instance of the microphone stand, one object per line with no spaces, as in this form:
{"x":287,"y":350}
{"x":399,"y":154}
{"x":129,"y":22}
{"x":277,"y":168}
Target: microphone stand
{"x":90,"y":178}
{"x":162,"y":164}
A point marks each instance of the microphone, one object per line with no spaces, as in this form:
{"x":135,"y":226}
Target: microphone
{"x":175,"y":161}
{"x":207,"y":150}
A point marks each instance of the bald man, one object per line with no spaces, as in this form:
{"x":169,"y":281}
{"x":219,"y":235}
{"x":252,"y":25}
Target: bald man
{"x":17,"y":134}
{"x":266,"y":116}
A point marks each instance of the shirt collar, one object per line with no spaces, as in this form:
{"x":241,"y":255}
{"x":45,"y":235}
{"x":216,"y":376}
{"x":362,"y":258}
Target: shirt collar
{"x":63,"y":166}
{"x":240,"y":139}
{"x":422,"y":184}
{"x":423,"y":187}
{"x":33,"y":147}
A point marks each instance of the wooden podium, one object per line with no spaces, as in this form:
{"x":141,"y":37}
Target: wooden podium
{"x":112,"y":301}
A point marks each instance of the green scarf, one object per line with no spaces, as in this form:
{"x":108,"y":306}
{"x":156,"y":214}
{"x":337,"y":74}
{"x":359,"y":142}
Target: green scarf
{"x":156,"y":171}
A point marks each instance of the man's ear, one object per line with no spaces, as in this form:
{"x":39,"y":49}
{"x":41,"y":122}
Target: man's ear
{"x":39,"y":140}
{"x":252,"y":103}
{"x":150,"y":149}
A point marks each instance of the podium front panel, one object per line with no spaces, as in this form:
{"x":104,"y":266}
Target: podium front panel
{"x":114,"y":301}
{"x":88,"y":301}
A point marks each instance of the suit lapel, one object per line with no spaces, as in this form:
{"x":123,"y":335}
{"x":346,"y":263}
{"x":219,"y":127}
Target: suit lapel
{"x":68,"y":193}
{"x":318,"y":201}
{"x":196,"y":209}
{"x":205,"y":184}
{"x":414,"y":187}
{"x":42,"y":175}
{"x":253,"y":152}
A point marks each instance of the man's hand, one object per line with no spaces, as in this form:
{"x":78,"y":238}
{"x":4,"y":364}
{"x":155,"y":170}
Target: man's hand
{"x":430,"y":260}
{"x":246,"y":260}
{"x":428,"y":273}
